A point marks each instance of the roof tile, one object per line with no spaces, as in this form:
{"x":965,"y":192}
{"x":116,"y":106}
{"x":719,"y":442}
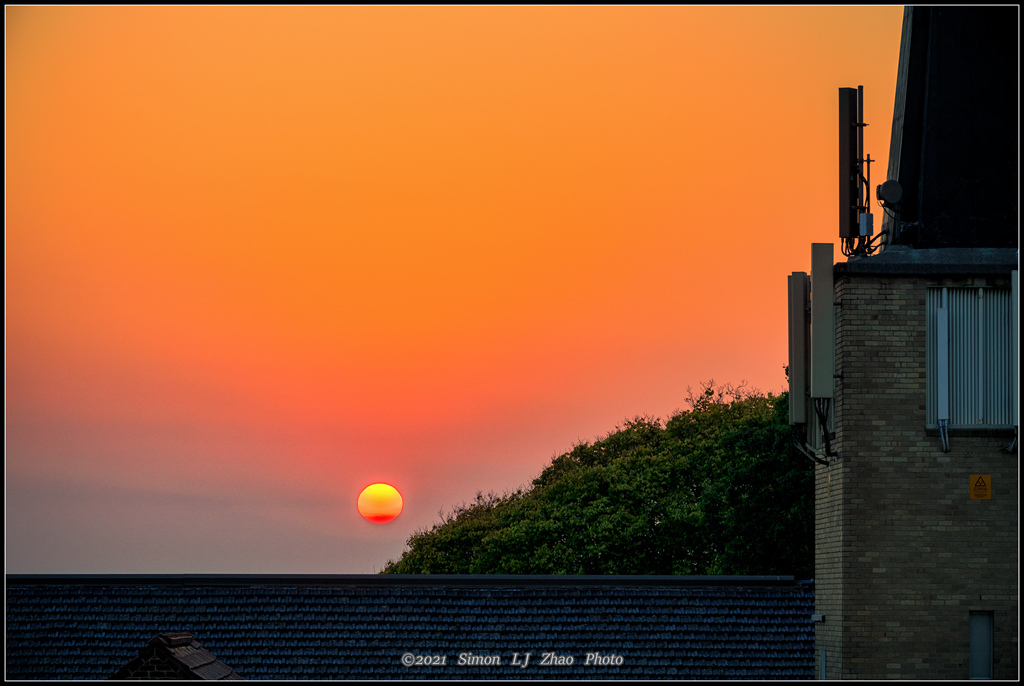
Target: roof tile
{"x":358,"y":627}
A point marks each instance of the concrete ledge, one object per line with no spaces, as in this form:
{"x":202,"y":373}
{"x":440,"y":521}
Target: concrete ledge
{"x":897,"y":260}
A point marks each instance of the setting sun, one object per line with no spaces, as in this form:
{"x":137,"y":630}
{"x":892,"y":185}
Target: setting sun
{"x":300,"y":250}
{"x":380,"y":503}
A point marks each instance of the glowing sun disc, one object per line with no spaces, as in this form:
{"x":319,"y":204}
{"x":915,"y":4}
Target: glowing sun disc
{"x":380,"y":503}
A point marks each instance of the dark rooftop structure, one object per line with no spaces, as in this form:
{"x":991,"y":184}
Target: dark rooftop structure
{"x":955,"y":135}
{"x":176,"y":655}
{"x":418,"y":626}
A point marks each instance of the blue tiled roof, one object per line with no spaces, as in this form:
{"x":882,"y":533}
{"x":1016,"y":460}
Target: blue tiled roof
{"x":360,"y":626}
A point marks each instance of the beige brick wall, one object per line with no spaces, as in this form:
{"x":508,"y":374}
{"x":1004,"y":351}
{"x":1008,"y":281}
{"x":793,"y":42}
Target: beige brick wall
{"x":902,"y":554}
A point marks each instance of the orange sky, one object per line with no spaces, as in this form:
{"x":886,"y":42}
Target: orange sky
{"x":258,"y":258}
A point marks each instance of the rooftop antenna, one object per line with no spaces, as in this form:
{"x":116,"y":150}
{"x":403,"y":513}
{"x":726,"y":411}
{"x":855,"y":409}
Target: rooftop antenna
{"x":856,"y":223}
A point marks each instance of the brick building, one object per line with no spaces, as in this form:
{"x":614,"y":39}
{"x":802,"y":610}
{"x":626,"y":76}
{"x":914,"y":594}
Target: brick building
{"x":908,"y":558}
{"x":904,"y":374}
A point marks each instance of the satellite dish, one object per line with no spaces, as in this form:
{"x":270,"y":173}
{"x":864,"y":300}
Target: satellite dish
{"x":889,"y":193}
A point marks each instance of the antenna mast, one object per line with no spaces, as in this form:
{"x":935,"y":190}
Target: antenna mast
{"x":856,"y":224}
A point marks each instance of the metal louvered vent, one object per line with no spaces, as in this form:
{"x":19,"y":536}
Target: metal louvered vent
{"x":970,"y":361}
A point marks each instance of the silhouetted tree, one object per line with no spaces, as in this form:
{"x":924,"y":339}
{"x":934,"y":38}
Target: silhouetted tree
{"x":718,"y":490}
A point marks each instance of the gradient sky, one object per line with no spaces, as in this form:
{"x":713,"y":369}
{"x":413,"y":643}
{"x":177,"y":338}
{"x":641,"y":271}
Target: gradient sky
{"x":259,"y":258}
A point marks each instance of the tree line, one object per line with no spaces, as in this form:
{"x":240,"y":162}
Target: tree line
{"x":719,"y":489}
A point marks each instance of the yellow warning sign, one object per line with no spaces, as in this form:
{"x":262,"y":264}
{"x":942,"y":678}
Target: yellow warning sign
{"x":981,"y":486}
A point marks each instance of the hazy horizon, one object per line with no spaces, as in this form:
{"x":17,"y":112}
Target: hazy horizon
{"x":261,"y":257}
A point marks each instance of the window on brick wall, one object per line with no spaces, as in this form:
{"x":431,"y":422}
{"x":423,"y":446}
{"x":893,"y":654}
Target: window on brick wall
{"x":970,"y":362}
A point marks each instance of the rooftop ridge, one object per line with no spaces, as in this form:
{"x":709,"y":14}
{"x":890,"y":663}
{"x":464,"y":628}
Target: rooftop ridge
{"x":481,"y":580}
